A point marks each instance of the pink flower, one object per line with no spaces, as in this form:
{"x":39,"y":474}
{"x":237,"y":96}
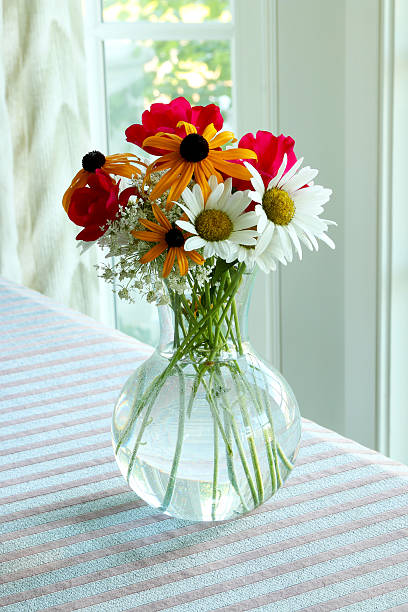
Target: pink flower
{"x":270,"y":150}
{"x":165,"y":117}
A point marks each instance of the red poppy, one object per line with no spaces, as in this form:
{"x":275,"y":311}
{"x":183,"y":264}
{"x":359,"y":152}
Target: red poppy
{"x":165,"y":117}
{"x":92,"y":206}
{"x":270,"y":150}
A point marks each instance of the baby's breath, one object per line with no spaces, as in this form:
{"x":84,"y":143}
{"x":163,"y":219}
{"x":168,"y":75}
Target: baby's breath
{"x":123,"y":252}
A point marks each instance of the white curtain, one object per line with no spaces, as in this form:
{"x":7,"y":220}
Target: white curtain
{"x":45,"y":132}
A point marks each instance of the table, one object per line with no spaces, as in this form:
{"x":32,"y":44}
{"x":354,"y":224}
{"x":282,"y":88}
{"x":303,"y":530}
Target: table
{"x":74,"y":537}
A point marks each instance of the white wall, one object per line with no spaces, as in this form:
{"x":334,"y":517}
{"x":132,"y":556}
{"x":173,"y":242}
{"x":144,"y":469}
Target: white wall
{"x":332,"y":94}
{"x":399,"y":286}
{"x":311,"y":108}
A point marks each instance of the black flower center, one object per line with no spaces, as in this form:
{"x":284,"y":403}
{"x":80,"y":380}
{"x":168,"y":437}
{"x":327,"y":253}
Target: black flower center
{"x":174,"y":237}
{"x":194,"y":148}
{"x":93,"y":160}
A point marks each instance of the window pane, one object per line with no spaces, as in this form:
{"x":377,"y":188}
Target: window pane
{"x":141,"y":72}
{"x":186,"y":11}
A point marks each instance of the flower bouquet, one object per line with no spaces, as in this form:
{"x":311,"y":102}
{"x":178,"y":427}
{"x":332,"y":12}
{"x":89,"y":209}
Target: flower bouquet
{"x":204,"y":429}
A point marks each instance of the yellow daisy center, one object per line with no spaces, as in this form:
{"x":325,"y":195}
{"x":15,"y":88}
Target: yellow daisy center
{"x":213,"y":225}
{"x":278,"y":206}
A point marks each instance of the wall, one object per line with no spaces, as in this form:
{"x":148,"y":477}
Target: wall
{"x":311,"y":108}
{"x":332,"y":97}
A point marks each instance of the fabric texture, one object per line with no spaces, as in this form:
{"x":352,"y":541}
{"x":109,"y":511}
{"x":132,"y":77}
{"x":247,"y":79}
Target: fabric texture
{"x":44,"y":126}
{"x":74,"y":537}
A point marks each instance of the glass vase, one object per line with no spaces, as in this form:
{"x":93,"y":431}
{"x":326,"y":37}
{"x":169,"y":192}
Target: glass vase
{"x":204,"y":434}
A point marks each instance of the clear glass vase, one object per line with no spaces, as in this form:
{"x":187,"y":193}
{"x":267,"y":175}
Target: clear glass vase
{"x":206,"y":435}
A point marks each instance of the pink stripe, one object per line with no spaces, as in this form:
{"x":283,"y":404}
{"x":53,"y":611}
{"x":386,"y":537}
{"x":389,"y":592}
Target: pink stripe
{"x":11,"y":312}
{"x":61,"y":487}
{"x":68,"y":383}
{"x":57,"y":440}
{"x":69,"y":326}
{"x":81,"y":517}
{"x":322,"y":474}
{"x":65,"y":385}
{"x":214,"y":566}
{"x":73,"y":501}
{"x":76,"y":451}
{"x":67,"y":453}
{"x":70,"y":372}
{"x":55,"y":349}
{"x":201,"y":569}
{"x":298,"y":589}
{"x":74,"y":467}
{"x":272,"y":506}
{"x":390,"y":586}
{"x":111,"y":351}
{"x":48,"y":415}
{"x":36,"y":339}
{"x":7,"y":321}
{"x":57,"y":426}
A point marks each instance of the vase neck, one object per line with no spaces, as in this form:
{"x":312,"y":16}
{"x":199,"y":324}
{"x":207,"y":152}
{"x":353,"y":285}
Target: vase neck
{"x":231,"y":318}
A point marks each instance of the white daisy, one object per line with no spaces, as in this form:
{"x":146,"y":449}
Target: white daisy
{"x":221,"y":224}
{"x":290,"y":210}
{"x":265,"y":253}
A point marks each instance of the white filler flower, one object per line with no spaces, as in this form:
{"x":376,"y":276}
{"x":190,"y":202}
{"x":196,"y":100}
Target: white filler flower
{"x":290,"y":207}
{"x":220,"y":225}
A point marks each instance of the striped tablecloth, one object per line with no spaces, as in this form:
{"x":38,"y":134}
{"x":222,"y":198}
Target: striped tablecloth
{"x":74,"y":537}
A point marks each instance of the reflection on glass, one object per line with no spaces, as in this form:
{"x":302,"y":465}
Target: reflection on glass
{"x":139,"y":73}
{"x":185,"y":11}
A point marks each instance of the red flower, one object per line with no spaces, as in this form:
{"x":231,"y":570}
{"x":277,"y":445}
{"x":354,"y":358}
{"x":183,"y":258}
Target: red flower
{"x":91,"y":207}
{"x":270,"y":150}
{"x":165,"y":117}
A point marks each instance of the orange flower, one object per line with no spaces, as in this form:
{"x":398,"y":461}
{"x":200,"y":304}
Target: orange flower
{"x":194,"y":154}
{"x":168,"y":237}
{"x":119,"y":164}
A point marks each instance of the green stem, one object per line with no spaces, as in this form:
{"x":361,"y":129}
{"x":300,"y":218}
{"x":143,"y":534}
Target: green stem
{"x":251,"y":439}
{"x":179,"y":444}
{"x":284,"y":458}
{"x":154,"y":387}
{"x":216,"y":416}
{"x":243,"y":459}
{"x":215,"y":472}
{"x":237,"y":329}
{"x":230,"y":465}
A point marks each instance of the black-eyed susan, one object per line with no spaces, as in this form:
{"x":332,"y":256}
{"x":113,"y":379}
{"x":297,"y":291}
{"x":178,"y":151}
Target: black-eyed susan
{"x":118,"y":164}
{"x":195,"y":154}
{"x":168,"y":238}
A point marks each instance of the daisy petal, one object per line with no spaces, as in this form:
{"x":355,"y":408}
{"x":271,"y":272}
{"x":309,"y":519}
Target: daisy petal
{"x":293,"y":235}
{"x":188,"y":212}
{"x":191,"y":201}
{"x":188,"y":227}
{"x":246,"y":220}
{"x":285,"y":242}
{"x":288,"y":175}
{"x":263,"y":220}
{"x":214,"y":196}
{"x":198,"y":194}
{"x":327,"y":240}
{"x":302,"y":178}
{"x":278,"y":175}
{"x":195,"y":242}
{"x":247,"y":237}
{"x":256,"y":179}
